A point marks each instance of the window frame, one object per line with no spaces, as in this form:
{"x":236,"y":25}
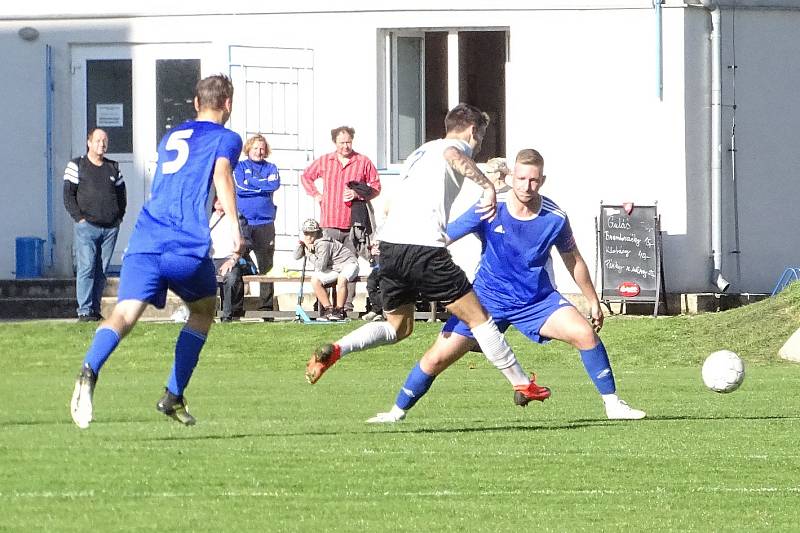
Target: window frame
{"x":388,"y":140}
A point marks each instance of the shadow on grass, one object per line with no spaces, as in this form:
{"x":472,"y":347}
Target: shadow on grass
{"x":400,"y":428}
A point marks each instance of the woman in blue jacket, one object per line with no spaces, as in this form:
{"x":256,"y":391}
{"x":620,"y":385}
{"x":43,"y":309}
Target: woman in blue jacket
{"x":256,"y":180}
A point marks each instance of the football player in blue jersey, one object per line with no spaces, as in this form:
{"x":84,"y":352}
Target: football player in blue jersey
{"x":169,"y":247}
{"x":514,"y":281}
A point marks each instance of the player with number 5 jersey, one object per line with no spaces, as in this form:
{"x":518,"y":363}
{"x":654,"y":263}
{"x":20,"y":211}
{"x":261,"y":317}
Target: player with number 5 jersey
{"x":169,"y":247}
{"x":175,"y":217}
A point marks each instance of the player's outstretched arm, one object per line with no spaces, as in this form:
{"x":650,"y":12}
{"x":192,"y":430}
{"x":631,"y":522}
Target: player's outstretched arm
{"x":579,"y":271}
{"x":223,"y":184}
{"x":464,"y":165}
{"x":469,"y":222}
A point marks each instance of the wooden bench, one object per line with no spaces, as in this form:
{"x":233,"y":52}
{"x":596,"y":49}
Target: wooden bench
{"x":431,"y":315}
{"x":257,"y":278}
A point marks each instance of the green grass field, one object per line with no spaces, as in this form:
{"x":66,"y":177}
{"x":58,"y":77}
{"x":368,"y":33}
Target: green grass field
{"x":272,"y":453}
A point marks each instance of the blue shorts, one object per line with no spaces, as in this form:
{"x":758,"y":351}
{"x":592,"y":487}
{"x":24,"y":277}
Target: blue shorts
{"x":528,"y":319}
{"x":146,"y":277}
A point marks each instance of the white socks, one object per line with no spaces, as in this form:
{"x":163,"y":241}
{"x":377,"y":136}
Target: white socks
{"x":499,"y":353}
{"x":516,"y":375}
{"x":610,"y":398}
{"x":367,"y":336}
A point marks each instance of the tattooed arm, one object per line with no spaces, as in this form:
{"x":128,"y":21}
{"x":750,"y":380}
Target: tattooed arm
{"x":465,"y":166}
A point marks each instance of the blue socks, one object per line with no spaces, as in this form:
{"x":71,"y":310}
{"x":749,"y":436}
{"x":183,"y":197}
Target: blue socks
{"x":416,"y":385}
{"x":104,"y":342}
{"x":187,"y":353}
{"x":599,"y":368}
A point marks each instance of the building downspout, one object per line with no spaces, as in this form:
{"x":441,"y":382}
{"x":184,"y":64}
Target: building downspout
{"x":717,"y":279}
{"x":48,"y":143}
{"x":659,"y":50}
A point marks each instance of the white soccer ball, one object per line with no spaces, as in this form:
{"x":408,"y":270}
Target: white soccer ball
{"x":723,"y":371}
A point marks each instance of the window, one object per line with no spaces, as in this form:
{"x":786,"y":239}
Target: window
{"x":175,"y":82}
{"x":109,"y":101}
{"x":429,"y":72}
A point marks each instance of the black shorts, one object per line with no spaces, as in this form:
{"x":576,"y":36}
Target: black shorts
{"x":410,"y":272}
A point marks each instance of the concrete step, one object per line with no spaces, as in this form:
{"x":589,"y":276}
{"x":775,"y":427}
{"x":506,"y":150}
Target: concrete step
{"x":26,"y":308}
{"x":37,"y":288}
{"x":112,"y":287}
{"x":172,"y":305}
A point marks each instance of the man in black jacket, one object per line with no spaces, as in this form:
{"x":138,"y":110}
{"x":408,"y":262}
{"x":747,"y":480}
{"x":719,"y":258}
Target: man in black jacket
{"x":94,"y":195}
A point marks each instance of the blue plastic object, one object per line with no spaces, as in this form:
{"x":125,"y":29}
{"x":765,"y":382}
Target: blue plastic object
{"x":789,"y":275}
{"x":30,"y":257}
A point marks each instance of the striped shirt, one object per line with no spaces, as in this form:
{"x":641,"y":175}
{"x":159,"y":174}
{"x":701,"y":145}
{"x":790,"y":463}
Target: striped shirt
{"x":335,"y":177}
{"x":95,"y":193}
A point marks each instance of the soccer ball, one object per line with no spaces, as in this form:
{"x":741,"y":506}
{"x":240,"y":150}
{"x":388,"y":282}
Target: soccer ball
{"x":723,"y":371}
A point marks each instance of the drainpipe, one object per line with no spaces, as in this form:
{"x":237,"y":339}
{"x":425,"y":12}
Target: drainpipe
{"x":48,"y":143}
{"x":659,"y":51}
{"x":717,"y":280}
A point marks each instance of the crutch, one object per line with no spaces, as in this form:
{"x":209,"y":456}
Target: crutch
{"x":300,"y":313}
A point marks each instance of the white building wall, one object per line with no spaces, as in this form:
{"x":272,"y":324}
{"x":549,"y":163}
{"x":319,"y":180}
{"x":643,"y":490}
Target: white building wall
{"x":22,"y":149}
{"x":581,"y":88}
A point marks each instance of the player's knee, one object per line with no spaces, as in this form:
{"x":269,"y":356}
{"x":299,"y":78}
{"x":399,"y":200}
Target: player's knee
{"x":584,"y":338}
{"x":434,"y":362}
{"x":473,"y":316}
{"x":205,"y":308}
{"x":403,"y":329}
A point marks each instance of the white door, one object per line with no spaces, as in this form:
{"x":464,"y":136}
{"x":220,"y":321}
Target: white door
{"x":136,"y":93}
{"x":274,"y":96}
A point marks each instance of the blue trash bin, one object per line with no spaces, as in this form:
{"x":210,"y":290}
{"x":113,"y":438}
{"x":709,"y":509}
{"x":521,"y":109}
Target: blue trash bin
{"x":30,"y":257}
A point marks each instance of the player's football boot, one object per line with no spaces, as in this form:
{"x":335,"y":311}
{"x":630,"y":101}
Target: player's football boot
{"x":80,"y":407}
{"x":395,"y":415}
{"x":524,"y":394}
{"x":175,"y":407}
{"x":619,"y":410}
{"x":324,"y":357}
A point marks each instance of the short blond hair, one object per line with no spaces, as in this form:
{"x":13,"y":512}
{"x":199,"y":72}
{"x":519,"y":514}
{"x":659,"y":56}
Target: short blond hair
{"x":529,"y":156}
{"x":254,"y":139}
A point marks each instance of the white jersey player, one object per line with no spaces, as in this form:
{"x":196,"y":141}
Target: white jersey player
{"x":415,"y":265}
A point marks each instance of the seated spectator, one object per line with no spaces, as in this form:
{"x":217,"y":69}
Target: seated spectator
{"x":333,"y":262}
{"x":230,"y":264}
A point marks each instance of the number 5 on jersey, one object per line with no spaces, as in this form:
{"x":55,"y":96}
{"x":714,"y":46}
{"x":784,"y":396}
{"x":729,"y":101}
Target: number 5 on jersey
{"x":177,"y":142}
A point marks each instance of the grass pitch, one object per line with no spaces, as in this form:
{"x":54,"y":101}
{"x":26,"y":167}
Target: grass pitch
{"x":272,"y":453}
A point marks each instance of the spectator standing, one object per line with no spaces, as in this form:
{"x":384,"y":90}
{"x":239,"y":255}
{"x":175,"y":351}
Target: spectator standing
{"x":95,"y":198}
{"x":256,"y":181}
{"x":337,"y":170}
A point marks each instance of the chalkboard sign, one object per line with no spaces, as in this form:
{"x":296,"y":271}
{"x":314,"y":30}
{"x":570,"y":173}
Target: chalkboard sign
{"x":629,"y":246}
